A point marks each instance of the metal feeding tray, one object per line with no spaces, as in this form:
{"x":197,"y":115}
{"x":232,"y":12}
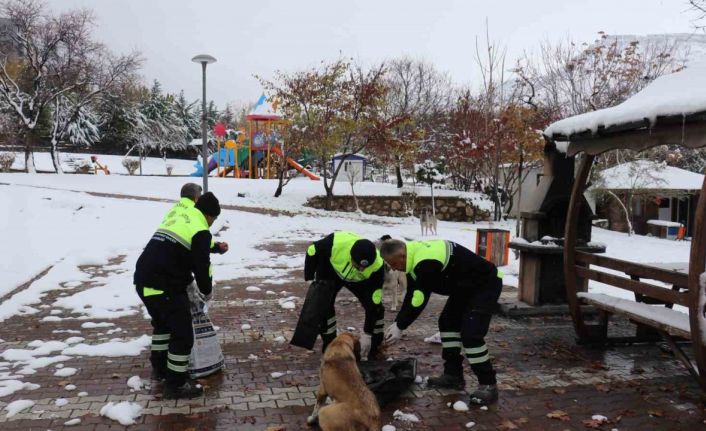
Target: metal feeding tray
{"x":388,"y":379}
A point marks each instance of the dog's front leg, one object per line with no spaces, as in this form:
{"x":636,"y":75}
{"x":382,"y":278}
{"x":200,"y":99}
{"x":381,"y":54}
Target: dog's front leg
{"x":320,"y":400}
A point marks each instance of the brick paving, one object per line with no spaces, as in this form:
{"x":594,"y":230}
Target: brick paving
{"x":540,"y":369}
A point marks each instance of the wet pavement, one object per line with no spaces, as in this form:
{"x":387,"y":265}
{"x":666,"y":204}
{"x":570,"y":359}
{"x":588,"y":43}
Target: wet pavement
{"x":547,"y":381}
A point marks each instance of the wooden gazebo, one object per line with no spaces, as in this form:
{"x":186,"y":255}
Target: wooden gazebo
{"x":669,"y":111}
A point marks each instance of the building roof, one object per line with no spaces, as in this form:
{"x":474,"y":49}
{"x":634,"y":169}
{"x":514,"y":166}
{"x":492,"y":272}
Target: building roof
{"x":679,"y":93}
{"x":349,"y":156}
{"x":646,"y":174}
{"x":670,"y":110}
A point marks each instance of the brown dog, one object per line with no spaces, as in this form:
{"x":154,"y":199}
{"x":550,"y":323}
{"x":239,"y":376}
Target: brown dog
{"x":354,"y":407}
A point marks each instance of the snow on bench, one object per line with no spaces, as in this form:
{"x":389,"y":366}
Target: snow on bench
{"x":671,"y":321}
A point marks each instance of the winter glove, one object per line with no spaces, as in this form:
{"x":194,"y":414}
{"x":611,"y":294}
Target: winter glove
{"x":222,"y":247}
{"x":366,"y":341}
{"x":392,"y":333}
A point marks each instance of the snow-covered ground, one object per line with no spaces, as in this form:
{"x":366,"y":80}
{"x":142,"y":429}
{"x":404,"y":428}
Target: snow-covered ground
{"x":253,"y":193}
{"x":50,"y":223}
{"x":114,"y":163}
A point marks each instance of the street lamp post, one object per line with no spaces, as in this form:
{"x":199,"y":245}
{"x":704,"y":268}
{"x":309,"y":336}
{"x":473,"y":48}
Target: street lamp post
{"x":204,"y":59}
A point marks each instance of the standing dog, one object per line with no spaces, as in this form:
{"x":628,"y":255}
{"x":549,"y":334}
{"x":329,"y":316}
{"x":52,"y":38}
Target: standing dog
{"x":354,"y":407}
{"x":395,"y":281}
{"x":427,"y":220}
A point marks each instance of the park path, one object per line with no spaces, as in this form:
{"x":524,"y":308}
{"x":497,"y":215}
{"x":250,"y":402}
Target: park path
{"x":541,"y":371}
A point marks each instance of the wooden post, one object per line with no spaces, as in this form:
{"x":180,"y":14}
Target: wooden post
{"x":697,"y":265}
{"x":572,"y":216}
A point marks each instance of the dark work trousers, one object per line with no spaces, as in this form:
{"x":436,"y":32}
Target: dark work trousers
{"x":374,"y":318}
{"x":172,"y":335}
{"x":464,"y":323}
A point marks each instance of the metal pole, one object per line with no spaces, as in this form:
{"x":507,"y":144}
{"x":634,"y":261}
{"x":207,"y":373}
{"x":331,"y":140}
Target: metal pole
{"x":204,"y":143}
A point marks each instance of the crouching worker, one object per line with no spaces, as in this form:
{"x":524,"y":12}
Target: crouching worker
{"x":346,"y":259}
{"x":179,"y":248}
{"x":473,"y":287}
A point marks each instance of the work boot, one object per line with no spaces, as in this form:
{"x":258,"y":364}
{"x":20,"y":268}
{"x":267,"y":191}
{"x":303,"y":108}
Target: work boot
{"x":158,"y":375}
{"x":484,"y":395}
{"x":447,"y":381}
{"x":188,"y":390}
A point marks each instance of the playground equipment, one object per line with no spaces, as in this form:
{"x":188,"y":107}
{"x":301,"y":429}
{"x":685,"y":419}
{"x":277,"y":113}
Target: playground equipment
{"x":252,"y":154}
{"x":98,"y":167}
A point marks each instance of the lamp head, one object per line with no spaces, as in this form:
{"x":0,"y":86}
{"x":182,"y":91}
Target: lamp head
{"x":204,"y":58}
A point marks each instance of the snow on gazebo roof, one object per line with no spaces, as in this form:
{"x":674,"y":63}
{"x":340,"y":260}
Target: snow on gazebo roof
{"x":677,"y":94}
{"x":627,"y":176}
{"x":263,"y":111}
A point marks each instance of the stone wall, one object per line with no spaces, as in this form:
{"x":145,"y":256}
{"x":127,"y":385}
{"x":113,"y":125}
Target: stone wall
{"x":447,"y":208}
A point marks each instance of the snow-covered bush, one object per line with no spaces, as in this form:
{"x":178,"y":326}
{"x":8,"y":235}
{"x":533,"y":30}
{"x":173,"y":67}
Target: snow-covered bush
{"x":170,"y":168}
{"x":131,"y":164}
{"x":6,"y":161}
{"x":85,"y":166}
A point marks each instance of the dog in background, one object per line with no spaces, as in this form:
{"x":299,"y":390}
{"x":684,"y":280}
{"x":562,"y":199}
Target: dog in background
{"x":427,"y":220}
{"x":395,"y":282}
{"x":354,"y":406}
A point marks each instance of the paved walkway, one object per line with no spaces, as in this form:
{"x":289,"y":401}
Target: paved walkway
{"x":542,"y":372}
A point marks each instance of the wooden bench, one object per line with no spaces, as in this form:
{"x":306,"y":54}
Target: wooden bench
{"x":669,"y":300}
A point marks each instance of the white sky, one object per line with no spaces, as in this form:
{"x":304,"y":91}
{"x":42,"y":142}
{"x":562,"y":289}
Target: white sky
{"x":258,"y":37}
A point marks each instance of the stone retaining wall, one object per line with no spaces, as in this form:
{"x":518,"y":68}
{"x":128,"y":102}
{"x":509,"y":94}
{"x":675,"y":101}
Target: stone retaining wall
{"x":447,"y":208}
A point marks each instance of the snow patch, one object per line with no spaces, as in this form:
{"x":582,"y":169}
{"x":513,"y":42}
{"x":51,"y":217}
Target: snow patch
{"x":17,"y":406}
{"x":460,"y":406}
{"x":9,"y":387}
{"x":253,"y":289}
{"x":91,"y":325}
{"x":434,"y":339}
{"x":71,"y":422}
{"x":65,"y":372}
{"x":111,"y":348}
{"x":123,"y":412}
{"x":405,"y":417}
{"x":61,"y":402}
{"x":135,"y":383}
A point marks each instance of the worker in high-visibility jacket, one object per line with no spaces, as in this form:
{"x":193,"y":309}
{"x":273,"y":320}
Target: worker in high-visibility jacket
{"x":346,"y":259}
{"x":473,"y":287}
{"x":179,"y":248}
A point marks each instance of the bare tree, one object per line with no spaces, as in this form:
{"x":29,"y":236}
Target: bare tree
{"x":490,"y":59}
{"x":354,"y":174}
{"x":55,"y":57}
{"x":699,"y":7}
{"x":419,"y":94}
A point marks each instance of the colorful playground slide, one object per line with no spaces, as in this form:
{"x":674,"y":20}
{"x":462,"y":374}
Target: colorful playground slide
{"x":199,"y":167}
{"x":229,"y":164}
{"x":293,"y":163}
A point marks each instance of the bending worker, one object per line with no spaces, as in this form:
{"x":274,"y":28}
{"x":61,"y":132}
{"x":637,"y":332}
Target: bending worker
{"x":179,"y":248}
{"x":346,"y":259}
{"x":473,"y":286}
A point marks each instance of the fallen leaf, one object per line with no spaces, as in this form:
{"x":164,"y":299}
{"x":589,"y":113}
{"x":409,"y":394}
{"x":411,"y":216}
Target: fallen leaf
{"x":507,"y":424}
{"x":559,"y":414}
{"x":602,"y":387}
{"x":592,"y":423}
{"x":521,"y":421}
{"x":559,"y":391}
{"x":656,"y":413}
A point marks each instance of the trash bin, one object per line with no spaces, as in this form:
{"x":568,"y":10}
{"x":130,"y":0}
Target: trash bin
{"x":493,"y":245}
